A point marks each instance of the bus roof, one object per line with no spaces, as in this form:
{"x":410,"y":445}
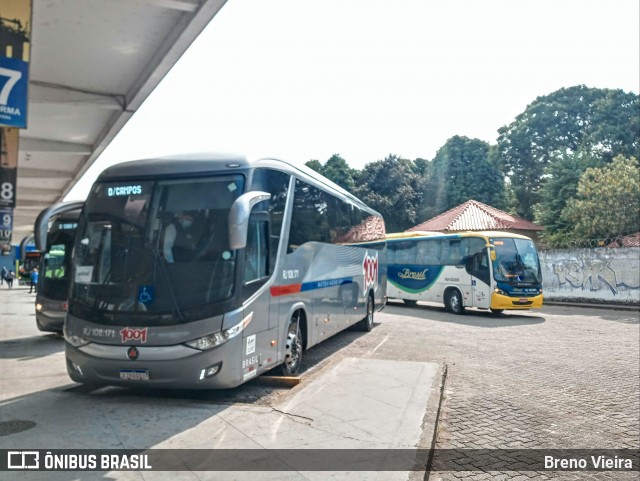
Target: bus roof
{"x":429,"y":234}
{"x":208,"y":162}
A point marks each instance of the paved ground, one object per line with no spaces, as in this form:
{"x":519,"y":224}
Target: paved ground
{"x":563,"y":377}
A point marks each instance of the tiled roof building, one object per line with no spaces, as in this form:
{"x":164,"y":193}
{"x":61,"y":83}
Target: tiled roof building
{"x":474,"y":215}
{"x":632,"y":240}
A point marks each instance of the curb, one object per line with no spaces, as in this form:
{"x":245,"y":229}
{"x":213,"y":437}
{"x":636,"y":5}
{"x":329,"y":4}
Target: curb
{"x":614,"y":307}
{"x":430,"y":424}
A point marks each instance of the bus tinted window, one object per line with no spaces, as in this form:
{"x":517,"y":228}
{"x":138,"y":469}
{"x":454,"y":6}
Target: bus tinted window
{"x":277,"y":184}
{"x":322,"y":217}
{"x":310,"y":219}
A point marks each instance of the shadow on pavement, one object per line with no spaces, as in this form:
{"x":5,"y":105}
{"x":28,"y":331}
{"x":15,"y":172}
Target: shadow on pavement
{"x":31,"y":347}
{"x":472,"y":317}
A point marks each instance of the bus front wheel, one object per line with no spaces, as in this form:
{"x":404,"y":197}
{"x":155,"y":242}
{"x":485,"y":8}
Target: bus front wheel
{"x":453,"y":302}
{"x":497,"y":312}
{"x":410,"y":302}
{"x":293,"y":348}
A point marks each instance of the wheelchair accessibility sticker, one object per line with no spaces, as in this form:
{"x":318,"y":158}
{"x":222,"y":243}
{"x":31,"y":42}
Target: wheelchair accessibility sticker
{"x":146,"y":294}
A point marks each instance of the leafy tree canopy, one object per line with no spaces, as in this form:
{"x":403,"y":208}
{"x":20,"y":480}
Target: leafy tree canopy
{"x":607,"y":203}
{"x":392,"y":187}
{"x":336,"y":170}
{"x":461,"y":170}
{"x":600,"y":123}
{"x":559,"y":186}
{"x":314,"y":165}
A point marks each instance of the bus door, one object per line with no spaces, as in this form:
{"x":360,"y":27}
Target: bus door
{"x":260,"y":313}
{"x":477,"y":266}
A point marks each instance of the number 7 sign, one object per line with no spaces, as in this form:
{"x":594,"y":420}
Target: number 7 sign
{"x":14,"y":80}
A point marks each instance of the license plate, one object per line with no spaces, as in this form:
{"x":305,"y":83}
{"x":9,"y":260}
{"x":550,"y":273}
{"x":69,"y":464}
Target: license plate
{"x":134,"y":375}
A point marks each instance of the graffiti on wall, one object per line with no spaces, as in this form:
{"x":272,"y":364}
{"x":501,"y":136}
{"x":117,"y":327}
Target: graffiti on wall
{"x":596,"y":274}
{"x":600,"y":274}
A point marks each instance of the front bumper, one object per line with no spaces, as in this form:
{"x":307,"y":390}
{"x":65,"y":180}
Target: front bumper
{"x":49,"y":320}
{"x":499,"y":301}
{"x":182,"y":373}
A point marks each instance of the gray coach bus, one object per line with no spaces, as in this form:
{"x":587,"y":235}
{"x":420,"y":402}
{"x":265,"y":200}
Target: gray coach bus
{"x":55,"y":266}
{"x":204,"y":271}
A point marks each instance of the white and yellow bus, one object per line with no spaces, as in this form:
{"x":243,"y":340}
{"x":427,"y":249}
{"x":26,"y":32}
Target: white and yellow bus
{"x":486,"y":270}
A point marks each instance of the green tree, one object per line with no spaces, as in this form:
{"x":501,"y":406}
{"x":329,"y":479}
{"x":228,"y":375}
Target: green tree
{"x":462,"y":169}
{"x":601,"y":123}
{"x":422,"y":167}
{"x":392,"y":187}
{"x":337,"y":170}
{"x":559,"y":186}
{"x":607,"y":203}
{"x":314,"y":164}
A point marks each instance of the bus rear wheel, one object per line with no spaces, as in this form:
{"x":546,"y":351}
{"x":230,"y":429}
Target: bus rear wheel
{"x":453,"y":302}
{"x":366,"y":324}
{"x":293,"y":348}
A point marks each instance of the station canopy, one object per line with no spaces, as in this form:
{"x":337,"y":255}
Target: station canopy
{"x":92,"y":64}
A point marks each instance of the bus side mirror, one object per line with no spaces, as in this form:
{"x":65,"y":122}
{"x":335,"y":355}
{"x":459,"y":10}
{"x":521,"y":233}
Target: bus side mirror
{"x":239,"y":217}
{"x":492,"y":254}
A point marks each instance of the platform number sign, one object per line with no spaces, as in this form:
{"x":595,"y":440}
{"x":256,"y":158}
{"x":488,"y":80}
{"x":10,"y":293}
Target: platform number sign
{"x":7,"y":187}
{"x":6,"y":224}
{"x":9,"y":139}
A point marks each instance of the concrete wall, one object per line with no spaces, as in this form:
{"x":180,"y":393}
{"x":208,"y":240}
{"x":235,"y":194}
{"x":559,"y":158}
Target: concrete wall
{"x":592,"y":275}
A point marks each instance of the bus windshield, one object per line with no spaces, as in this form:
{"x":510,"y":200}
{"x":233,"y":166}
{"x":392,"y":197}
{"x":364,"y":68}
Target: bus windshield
{"x":55,"y":264}
{"x":155,"y":251}
{"x":516,"y":261}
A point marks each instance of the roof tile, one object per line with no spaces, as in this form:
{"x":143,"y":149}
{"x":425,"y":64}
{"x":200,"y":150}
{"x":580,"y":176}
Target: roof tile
{"x":474,"y":215}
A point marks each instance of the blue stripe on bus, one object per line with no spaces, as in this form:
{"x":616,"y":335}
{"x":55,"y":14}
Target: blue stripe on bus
{"x":310,"y":286}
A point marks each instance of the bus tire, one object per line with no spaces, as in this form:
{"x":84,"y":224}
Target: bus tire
{"x":410,"y":302}
{"x":453,"y":301}
{"x":497,"y":312}
{"x":366,"y":324}
{"x":293,"y":348}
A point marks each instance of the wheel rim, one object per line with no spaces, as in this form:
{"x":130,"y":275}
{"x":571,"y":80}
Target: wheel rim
{"x":369,"y":312}
{"x":293,"y":349}
{"x":454,"y":301}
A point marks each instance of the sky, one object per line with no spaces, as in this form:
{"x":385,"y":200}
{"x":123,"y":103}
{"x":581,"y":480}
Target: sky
{"x":306,"y":79}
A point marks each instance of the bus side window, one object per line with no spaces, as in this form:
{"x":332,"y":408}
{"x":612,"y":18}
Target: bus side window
{"x":454,"y":254}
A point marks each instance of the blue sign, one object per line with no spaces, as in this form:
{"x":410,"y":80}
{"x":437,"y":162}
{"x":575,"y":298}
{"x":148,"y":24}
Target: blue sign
{"x":146,"y":294}
{"x":14,"y":83}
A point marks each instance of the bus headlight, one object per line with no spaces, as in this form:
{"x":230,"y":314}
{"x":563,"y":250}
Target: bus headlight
{"x":209,"y":342}
{"x":500,"y":291}
{"x":39,"y":307}
{"x":76,"y":341}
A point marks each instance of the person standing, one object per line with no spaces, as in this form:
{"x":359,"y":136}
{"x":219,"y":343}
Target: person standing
{"x":10,"y":277}
{"x":3,"y":275}
{"x":34,"y":280}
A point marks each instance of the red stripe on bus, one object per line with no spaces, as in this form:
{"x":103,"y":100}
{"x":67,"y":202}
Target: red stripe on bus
{"x":284,"y":290}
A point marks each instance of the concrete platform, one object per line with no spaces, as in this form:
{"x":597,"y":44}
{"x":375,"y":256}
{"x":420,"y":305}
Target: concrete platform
{"x":354,"y":403}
